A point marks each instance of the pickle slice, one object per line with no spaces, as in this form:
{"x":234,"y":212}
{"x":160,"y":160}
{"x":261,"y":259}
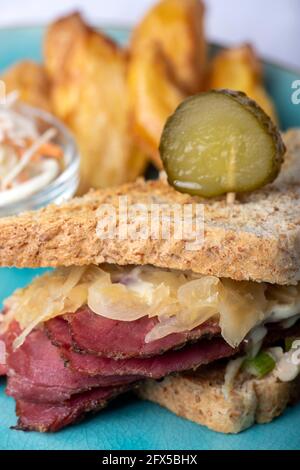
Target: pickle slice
{"x":218,"y":142}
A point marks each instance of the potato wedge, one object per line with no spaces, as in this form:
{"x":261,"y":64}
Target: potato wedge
{"x":168,"y":53}
{"x":31,"y":81}
{"x":154,"y":96}
{"x":89,"y":93}
{"x":61,"y":36}
{"x":239,"y":69}
{"x":177,"y":27}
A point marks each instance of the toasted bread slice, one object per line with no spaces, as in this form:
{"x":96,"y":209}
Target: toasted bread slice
{"x":257,"y":238}
{"x":199,"y":397}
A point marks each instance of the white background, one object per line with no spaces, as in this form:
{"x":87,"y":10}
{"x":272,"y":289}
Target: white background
{"x":272,"y":25}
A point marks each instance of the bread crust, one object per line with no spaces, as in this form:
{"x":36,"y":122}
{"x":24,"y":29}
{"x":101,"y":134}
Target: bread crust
{"x":199,"y":397}
{"x":257,"y":238}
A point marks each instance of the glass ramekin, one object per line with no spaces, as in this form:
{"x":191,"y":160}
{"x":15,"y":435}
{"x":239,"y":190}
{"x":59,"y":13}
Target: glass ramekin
{"x":66,"y":183}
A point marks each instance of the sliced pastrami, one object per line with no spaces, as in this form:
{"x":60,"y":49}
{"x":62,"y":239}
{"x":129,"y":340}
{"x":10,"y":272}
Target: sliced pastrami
{"x":6,"y":341}
{"x":45,"y":417}
{"x":188,"y":357}
{"x":37,"y":371}
{"x":120,"y":339}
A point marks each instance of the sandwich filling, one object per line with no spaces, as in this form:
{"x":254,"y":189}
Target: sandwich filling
{"x":178,"y":301}
{"x":77,"y":337}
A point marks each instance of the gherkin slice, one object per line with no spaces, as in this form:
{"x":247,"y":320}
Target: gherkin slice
{"x":218,"y":142}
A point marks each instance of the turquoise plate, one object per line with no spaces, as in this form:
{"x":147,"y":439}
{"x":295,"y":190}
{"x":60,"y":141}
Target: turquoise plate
{"x":129,"y":423}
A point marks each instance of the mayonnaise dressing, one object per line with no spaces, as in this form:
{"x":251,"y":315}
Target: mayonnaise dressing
{"x":288,"y":366}
{"x":282,"y":312}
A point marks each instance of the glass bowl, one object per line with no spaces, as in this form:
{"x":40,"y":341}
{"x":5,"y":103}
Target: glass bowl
{"x":65,"y":185}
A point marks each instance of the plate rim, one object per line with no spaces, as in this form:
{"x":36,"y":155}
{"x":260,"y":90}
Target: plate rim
{"x":127,"y":28}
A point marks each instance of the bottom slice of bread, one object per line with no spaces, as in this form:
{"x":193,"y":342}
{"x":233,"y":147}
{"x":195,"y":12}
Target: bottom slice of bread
{"x":198,"y":396}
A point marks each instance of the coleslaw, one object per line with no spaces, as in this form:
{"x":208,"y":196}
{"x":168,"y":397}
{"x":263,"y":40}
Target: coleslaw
{"x":29,"y":159}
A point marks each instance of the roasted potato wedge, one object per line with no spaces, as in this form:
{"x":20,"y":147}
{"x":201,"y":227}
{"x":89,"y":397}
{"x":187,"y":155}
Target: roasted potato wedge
{"x":167,"y":64}
{"x":89,"y":93}
{"x":176,"y":26}
{"x":240,"y":69}
{"x":31,"y":81}
{"x":61,"y":36}
{"x":154,"y":96}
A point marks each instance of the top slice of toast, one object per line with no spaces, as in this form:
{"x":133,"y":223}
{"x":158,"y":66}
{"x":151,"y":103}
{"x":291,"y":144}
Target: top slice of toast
{"x":256,"y":238}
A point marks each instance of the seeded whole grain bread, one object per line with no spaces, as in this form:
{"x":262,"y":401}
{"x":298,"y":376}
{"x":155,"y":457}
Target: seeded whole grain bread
{"x":257,"y":238}
{"x":199,"y":397}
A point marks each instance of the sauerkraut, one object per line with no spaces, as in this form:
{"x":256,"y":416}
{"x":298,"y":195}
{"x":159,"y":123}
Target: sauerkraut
{"x":180,"y":300}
